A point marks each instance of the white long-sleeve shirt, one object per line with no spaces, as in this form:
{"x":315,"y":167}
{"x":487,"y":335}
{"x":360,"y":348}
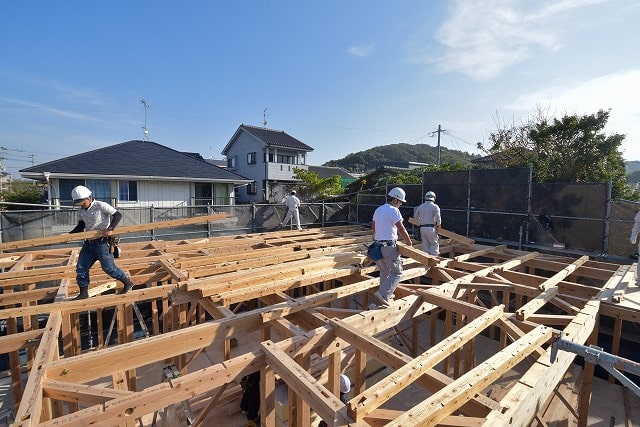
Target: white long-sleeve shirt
{"x":636,"y":228}
{"x":292,"y":202}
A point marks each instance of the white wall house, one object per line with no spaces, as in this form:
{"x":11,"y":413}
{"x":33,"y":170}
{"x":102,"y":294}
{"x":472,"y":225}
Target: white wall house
{"x":139,"y":174}
{"x":268,"y":157}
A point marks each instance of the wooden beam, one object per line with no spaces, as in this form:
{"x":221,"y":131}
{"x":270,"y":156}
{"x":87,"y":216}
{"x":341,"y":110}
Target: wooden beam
{"x":321,"y":400}
{"x":81,"y":393}
{"x":63,"y":238}
{"x":536,"y":304}
{"x":447,"y":233}
{"x":444,"y":402}
{"x":74,"y":306}
{"x":394,"y":383}
{"x":527,"y":395}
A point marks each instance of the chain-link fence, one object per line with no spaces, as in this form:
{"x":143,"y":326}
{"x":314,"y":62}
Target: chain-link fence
{"x":490,"y":206}
{"x":505,"y":206}
{"x":20,"y":225}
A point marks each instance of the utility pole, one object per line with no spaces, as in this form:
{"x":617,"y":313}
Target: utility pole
{"x":439,"y":131}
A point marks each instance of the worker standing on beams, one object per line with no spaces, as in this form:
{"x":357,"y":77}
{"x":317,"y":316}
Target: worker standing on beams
{"x":387,"y":225}
{"x":633,"y":239}
{"x":96,"y":215}
{"x":428,"y":213}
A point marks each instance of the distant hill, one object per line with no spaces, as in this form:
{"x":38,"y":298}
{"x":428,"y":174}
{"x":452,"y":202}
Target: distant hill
{"x":632,"y":166}
{"x":372,"y":158}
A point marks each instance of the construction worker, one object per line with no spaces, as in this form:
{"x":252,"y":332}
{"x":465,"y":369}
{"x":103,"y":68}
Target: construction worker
{"x":96,"y":215}
{"x":250,"y":401}
{"x":293,"y":203}
{"x":345,"y":387}
{"x":633,"y":239}
{"x":387,"y":225}
{"x":428,"y":213}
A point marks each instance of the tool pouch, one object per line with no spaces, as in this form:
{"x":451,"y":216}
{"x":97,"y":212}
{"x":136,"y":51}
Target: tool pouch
{"x":374,"y":251}
{"x":114,"y":248}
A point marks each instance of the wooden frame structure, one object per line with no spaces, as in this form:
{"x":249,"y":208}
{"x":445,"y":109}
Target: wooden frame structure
{"x":294,"y":305}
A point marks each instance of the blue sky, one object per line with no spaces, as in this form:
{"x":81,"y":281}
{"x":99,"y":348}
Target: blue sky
{"x":341,"y":76}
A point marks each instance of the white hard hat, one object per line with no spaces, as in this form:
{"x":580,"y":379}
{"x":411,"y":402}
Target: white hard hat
{"x":345,"y":384}
{"x":398,"y":193}
{"x":79,"y":193}
{"x":430,"y":195}
{"x":293,"y":191}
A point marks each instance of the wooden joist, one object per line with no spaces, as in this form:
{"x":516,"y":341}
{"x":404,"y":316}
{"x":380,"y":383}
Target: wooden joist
{"x":63,"y":238}
{"x":296,"y":304}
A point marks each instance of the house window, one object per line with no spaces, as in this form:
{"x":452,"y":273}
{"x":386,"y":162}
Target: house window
{"x":100,"y":189}
{"x":251,"y":158}
{"x":65,"y":187}
{"x":285,"y":159}
{"x":128,"y":191}
{"x":252,"y":188}
{"x":231,"y":162}
{"x":204,"y":193}
{"x":282,"y":158}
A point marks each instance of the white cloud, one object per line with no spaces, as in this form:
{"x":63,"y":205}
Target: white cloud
{"x":482,"y":38}
{"x":361,"y":51}
{"x":49,"y":110}
{"x":618,"y":92}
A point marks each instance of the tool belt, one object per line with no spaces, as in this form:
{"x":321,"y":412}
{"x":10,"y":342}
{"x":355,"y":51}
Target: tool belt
{"x":99,"y":239}
{"x":114,"y":248}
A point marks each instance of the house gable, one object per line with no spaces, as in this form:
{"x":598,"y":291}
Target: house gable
{"x":269,"y":138}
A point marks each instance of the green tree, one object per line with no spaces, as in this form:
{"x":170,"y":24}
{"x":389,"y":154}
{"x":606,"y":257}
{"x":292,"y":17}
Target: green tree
{"x":569,"y":149}
{"x":314,"y":187}
{"x":21,"y":192}
{"x":414,"y":176}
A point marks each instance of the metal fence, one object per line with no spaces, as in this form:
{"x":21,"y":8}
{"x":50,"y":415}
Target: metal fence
{"x":31,"y":224}
{"x":497,"y":206}
{"x":504,"y":206}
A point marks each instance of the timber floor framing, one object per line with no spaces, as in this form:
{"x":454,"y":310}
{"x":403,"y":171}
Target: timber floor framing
{"x":466,"y":341}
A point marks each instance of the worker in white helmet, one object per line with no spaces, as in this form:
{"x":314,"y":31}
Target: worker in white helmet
{"x":293,"y":204}
{"x":387,"y":227}
{"x":345,"y":387}
{"x":96,"y":215}
{"x":633,"y":239}
{"x":428,"y":213}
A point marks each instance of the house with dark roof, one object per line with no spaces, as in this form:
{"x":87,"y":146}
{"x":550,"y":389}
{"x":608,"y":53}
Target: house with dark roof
{"x":323,"y":172}
{"x":139,"y":174}
{"x":268,"y":157}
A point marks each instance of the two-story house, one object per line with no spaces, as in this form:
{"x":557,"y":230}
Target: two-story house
{"x":268,"y":157}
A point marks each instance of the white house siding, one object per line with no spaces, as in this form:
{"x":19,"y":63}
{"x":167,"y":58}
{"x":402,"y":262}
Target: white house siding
{"x":283,"y":171}
{"x":162,"y":194}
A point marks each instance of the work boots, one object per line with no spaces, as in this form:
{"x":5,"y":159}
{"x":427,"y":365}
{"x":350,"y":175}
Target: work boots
{"x":84,"y":293}
{"x":128,"y":284}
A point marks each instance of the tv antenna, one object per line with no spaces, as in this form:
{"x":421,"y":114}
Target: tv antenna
{"x":144,"y":127}
{"x":264,"y":117}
